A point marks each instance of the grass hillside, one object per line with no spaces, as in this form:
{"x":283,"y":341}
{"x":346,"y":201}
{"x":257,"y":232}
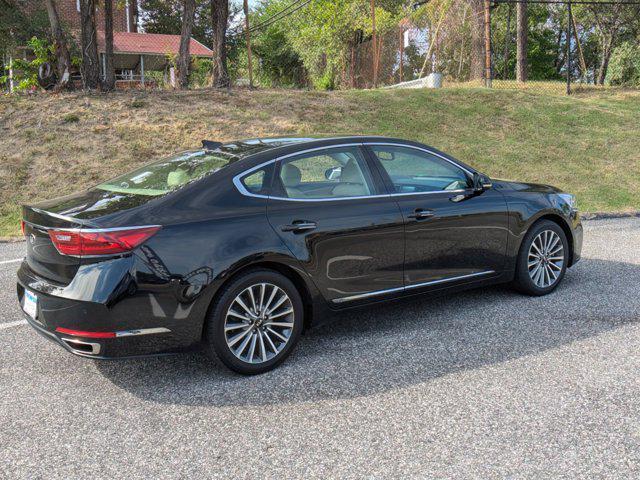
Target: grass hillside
{"x":588,"y":144}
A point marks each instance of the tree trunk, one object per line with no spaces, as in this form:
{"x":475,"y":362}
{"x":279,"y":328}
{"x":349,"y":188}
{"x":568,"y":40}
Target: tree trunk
{"x":109,"y":82}
{"x":89,"y":44}
{"x":477,"y":39}
{"x":606,"y":50}
{"x":184,"y":59}
{"x":522,"y":26}
{"x":60,"y":43}
{"x":559,"y":60}
{"x":219,"y":19}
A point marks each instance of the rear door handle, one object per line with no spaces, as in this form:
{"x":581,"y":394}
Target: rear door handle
{"x":421,"y":213}
{"x":299,"y":226}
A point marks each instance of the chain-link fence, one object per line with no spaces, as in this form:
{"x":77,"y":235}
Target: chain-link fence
{"x":551,"y":46}
{"x":554,"y":46}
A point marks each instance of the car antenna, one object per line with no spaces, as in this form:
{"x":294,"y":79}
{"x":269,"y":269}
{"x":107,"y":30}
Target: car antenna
{"x":210,"y":144}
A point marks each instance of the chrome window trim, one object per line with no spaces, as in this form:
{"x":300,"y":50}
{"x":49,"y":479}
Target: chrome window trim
{"x":375,"y":293}
{"x":237,"y":179}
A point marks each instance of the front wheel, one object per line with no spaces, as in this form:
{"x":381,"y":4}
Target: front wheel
{"x":255,"y":322}
{"x":542,"y":260}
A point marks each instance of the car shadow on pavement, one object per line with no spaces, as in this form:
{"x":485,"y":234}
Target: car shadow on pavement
{"x":387,"y":347}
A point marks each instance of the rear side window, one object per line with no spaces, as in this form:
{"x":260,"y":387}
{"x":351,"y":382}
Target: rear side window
{"x":416,"y":171}
{"x":254,"y":183}
{"x":258,"y":182}
{"x":169,"y":174}
{"x":326,"y":174}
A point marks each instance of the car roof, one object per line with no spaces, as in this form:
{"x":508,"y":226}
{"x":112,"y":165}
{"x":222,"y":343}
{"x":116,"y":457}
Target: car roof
{"x":254,"y":146}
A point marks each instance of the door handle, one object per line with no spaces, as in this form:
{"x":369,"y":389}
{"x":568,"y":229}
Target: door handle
{"x":421,"y":214}
{"x":299,"y":226}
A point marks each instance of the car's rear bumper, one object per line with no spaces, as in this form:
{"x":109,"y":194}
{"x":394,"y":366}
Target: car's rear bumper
{"x":125,"y":327}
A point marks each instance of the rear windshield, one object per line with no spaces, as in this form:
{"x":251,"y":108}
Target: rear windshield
{"x":169,"y":174}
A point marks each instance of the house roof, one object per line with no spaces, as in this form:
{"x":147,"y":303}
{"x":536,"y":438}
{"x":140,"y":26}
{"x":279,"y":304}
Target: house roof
{"x":151,"y":44}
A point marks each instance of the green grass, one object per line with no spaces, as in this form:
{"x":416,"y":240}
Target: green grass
{"x":588,"y":143}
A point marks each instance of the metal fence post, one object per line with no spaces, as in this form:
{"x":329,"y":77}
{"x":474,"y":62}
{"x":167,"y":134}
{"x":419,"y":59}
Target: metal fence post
{"x":569,"y":22}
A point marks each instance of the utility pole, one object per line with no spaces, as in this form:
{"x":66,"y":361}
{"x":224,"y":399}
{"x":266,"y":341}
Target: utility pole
{"x":245,"y":7}
{"x":487,"y":43}
{"x":569,"y":22}
{"x":375,"y":44}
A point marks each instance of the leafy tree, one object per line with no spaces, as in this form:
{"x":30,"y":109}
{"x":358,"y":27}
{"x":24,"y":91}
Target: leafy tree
{"x":279,"y":64}
{"x":611,"y":24}
{"x":624,"y":66}
{"x":17,"y":26}
{"x":165,"y":16}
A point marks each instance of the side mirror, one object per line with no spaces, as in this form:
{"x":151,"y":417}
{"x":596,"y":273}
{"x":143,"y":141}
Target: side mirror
{"x":481,"y":182}
{"x":333,"y":173}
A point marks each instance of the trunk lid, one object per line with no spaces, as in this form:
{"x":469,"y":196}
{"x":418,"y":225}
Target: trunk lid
{"x":42,"y":256}
{"x":87,"y":209}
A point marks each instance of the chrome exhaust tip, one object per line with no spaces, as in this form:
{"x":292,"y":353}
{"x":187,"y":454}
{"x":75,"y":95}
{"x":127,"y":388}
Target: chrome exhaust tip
{"x":84,"y":348}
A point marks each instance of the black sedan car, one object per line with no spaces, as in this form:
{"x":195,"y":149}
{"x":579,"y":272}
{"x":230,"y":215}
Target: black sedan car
{"x":241,"y":246}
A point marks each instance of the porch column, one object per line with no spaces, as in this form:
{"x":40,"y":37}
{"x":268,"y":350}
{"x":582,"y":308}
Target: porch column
{"x":142,"y":70}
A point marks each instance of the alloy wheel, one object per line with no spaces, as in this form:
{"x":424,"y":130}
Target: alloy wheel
{"x":259,"y":323}
{"x":546,"y":259}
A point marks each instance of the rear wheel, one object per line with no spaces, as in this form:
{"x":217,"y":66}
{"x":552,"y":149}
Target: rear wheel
{"x":542,"y":260}
{"x":255,"y":322}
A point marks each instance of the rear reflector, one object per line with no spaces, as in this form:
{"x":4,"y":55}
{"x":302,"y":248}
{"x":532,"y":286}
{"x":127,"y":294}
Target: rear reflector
{"x":80,"y":333}
{"x":22,"y":227}
{"x":100,"y":241}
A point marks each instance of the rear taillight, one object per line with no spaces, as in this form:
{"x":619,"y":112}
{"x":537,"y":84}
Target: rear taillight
{"x":81,"y":242}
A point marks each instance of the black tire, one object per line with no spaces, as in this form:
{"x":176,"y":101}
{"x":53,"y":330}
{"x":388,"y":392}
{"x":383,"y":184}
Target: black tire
{"x":216,"y":338}
{"x":523,"y":281}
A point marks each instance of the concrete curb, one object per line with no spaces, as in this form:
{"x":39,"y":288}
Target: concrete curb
{"x":585,"y":216}
{"x":608,"y":215}
{"x":11,"y":239}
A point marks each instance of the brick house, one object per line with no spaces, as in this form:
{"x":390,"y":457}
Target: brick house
{"x":125,"y":15}
{"x":134,"y":52}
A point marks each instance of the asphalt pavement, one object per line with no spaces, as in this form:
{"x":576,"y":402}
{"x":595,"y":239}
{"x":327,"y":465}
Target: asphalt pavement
{"x":482,"y":384}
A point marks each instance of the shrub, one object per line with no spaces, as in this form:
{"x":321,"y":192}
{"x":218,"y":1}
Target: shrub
{"x":624,"y":66}
{"x":71,"y":118}
{"x":25,"y":72}
{"x":200,"y":75}
{"x":137,"y":103}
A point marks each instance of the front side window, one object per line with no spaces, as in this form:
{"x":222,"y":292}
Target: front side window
{"x":169,"y":174}
{"x":325,"y":174}
{"x":416,"y":171}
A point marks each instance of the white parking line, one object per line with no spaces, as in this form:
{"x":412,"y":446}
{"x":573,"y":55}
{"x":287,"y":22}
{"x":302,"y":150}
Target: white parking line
{"x":17,"y":323}
{"x":16,"y":260}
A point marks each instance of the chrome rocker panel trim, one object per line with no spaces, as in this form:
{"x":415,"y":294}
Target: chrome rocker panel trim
{"x":362,"y":296}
